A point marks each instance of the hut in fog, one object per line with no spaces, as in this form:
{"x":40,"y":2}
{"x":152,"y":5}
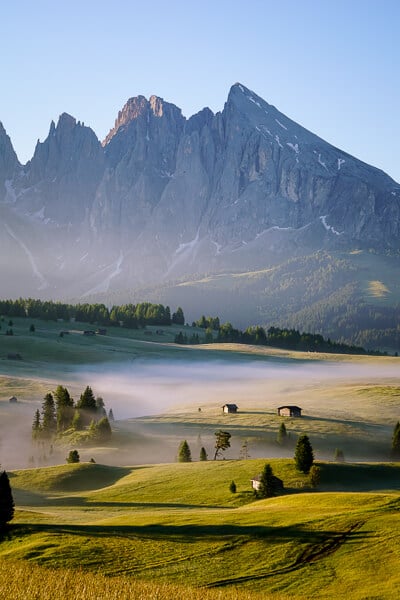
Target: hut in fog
{"x":289,"y":411}
{"x":229,"y":408}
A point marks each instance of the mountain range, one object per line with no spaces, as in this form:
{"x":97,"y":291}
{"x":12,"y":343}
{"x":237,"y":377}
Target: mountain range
{"x":198,"y":208}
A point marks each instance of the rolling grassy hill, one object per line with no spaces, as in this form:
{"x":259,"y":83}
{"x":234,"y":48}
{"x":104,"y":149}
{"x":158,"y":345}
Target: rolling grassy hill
{"x":175,"y":530}
{"x":179,"y":524}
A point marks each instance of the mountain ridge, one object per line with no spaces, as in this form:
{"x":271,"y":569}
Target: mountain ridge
{"x":164,"y":197}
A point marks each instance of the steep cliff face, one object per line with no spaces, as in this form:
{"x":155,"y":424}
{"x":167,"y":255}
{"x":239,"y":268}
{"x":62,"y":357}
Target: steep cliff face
{"x":58,"y":185}
{"x":9,"y":166}
{"x":164,"y":196}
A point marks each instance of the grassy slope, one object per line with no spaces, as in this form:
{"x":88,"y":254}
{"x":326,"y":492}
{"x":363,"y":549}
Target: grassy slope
{"x":179,"y":523}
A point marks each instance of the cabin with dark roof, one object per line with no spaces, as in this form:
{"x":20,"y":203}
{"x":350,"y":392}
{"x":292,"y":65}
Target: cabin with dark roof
{"x":230,"y":408}
{"x":289,"y":411}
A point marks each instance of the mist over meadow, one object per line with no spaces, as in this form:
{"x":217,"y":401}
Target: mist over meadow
{"x":140,"y":390}
{"x":144,"y":388}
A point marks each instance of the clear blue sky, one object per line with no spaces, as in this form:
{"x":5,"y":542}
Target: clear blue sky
{"x":331,"y":65}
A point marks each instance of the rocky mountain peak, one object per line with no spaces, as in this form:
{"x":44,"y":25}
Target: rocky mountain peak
{"x":66,"y":121}
{"x":8,"y":160}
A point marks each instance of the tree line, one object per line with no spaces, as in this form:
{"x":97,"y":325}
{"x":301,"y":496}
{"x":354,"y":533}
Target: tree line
{"x":290,"y":339}
{"x":127,"y":315}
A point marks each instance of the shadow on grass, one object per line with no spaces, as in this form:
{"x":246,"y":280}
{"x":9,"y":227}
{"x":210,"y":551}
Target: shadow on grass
{"x":195,"y":533}
{"x":359,"y":477}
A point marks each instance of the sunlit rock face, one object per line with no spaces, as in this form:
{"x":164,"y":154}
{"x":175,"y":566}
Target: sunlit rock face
{"x":164,"y":197}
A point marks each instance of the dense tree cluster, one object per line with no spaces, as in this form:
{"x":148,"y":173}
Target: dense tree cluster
{"x":127,"y":315}
{"x":60,"y":414}
{"x":145,"y":313}
{"x":290,"y":339}
{"x":182,"y":338}
{"x":207,"y":323}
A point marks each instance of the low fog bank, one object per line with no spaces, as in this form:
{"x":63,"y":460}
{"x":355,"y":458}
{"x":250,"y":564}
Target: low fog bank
{"x":138,"y":390}
{"x":142,"y":388}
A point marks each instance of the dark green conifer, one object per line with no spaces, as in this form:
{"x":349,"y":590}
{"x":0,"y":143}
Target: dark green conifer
{"x":184,"y":454}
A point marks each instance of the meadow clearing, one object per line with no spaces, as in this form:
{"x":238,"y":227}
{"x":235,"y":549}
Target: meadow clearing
{"x":138,"y":524}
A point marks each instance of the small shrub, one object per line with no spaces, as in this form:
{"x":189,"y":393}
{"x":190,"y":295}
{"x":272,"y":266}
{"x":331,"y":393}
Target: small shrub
{"x":73,"y":457}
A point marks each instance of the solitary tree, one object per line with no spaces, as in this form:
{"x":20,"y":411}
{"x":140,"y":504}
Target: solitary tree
{"x":73,"y":457}
{"x":303,"y":456}
{"x":110,"y":415}
{"x":6,"y":500}
{"x":232,"y":487}
{"x":396,"y":442}
{"x":222,"y":442}
{"x":270,"y":485}
{"x":184,"y":454}
{"x":203,"y":454}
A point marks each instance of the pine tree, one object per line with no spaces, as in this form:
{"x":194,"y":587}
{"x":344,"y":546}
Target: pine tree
{"x":395,"y":454}
{"x":203,"y":454}
{"x":87,"y":401}
{"x":6,"y":500}
{"x":178,"y":317}
{"x":111,"y":415}
{"x":103,"y":430}
{"x":269,"y":484}
{"x":100,"y":407}
{"x":303,"y":456}
{"x":222,"y":442}
{"x":232,"y":487}
{"x":184,"y":454}
{"x":36,"y":427}
{"x":77,"y":420}
{"x":64,"y":407}
{"x":87,"y":405}
{"x":49,"y":417}
{"x":282,"y":435}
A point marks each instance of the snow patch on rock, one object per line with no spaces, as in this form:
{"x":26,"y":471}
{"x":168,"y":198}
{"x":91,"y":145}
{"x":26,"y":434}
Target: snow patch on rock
{"x":329,"y":227}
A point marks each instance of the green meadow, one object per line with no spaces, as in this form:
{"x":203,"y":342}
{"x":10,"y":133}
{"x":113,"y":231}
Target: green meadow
{"x":137,"y":524}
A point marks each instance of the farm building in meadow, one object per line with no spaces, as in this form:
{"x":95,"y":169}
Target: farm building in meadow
{"x":289,"y":411}
{"x":278,"y":483}
{"x":229,"y":408}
